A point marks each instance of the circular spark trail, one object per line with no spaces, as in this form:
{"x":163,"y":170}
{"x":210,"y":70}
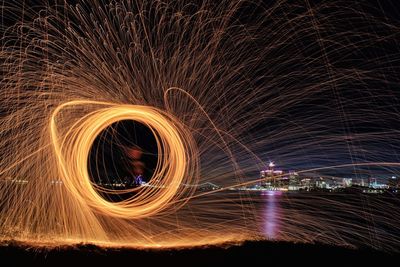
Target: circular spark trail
{"x":174,"y":145}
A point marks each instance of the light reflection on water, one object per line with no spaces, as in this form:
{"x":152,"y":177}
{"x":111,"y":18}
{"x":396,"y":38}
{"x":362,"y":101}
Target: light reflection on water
{"x":271,"y":213}
{"x":348,"y":219}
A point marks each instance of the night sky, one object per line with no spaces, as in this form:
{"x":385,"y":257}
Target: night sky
{"x":327,"y":89}
{"x":109,"y":160}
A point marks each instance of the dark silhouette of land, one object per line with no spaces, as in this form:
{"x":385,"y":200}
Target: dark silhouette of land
{"x":252,"y":253}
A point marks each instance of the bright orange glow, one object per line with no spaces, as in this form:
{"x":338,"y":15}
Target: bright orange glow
{"x":174,"y":146}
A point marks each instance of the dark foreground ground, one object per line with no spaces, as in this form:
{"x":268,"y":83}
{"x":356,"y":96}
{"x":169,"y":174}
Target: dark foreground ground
{"x":254,"y":253}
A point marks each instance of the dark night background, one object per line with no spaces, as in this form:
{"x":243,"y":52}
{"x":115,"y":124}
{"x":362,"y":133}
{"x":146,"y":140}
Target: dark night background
{"x":355,"y":118}
{"x":355,"y":58}
{"x":109,"y":161}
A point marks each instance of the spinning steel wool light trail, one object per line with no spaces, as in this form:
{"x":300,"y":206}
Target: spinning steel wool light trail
{"x":174,"y":168}
{"x":224,"y":86}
